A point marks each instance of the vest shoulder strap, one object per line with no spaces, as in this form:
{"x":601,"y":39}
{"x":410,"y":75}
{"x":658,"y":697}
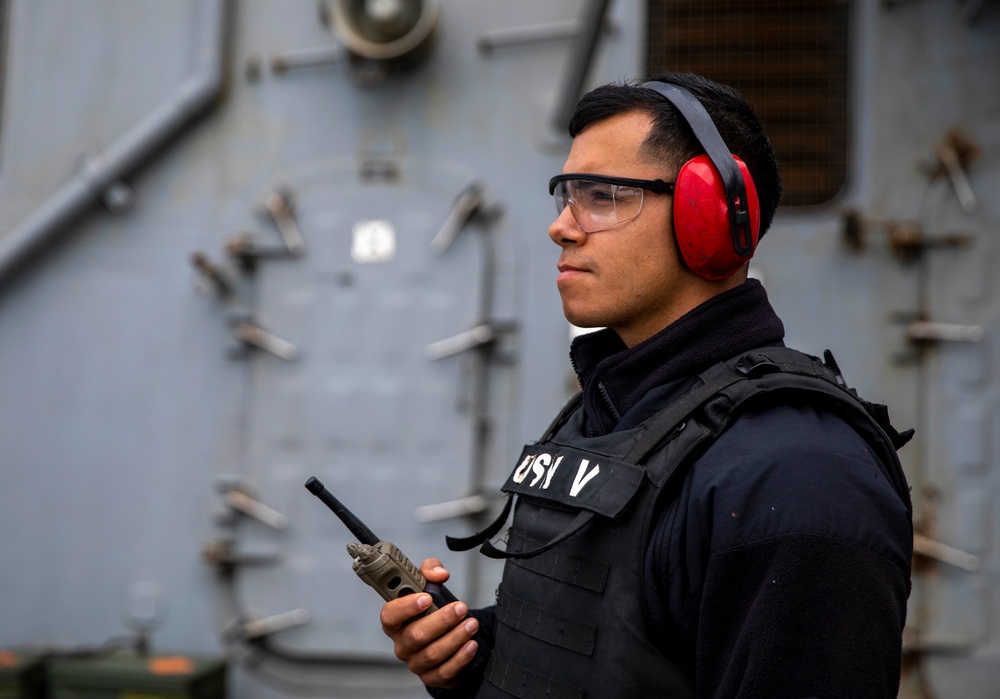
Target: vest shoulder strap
{"x":560,"y":419}
{"x":775,"y":374}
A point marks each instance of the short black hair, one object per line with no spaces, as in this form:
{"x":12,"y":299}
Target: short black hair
{"x":672,"y":141}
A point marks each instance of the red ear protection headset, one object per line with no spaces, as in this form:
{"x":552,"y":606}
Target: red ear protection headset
{"x":716,"y":212}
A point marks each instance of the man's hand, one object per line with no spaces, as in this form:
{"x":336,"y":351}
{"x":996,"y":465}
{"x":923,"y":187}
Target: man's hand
{"x":438,"y":646}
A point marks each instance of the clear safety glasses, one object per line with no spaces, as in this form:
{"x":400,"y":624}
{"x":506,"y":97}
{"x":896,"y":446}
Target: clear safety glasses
{"x":600,"y":202}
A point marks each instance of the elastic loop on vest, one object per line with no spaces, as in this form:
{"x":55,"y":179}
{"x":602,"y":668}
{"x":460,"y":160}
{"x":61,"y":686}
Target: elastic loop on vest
{"x":582,"y":519}
{"x":466,"y":543}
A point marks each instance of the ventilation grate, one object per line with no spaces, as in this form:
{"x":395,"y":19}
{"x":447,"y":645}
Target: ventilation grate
{"x":789,"y":58}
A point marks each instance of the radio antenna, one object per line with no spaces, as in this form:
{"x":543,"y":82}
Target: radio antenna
{"x":357,"y":527}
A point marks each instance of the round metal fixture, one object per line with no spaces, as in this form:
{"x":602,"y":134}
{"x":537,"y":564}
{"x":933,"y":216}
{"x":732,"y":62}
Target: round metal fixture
{"x":384,"y":29}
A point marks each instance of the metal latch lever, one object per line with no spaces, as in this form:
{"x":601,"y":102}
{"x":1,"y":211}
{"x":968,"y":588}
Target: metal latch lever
{"x":925,"y":546}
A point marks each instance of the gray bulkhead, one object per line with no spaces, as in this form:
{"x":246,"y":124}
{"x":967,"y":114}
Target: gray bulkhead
{"x":237,"y":251}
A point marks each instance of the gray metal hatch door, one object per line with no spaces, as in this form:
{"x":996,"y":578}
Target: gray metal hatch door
{"x":383,"y":267}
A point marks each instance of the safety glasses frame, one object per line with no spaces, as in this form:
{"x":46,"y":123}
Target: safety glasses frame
{"x":656,"y":186}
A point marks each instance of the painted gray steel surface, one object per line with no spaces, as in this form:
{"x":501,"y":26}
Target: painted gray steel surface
{"x":126,"y":413}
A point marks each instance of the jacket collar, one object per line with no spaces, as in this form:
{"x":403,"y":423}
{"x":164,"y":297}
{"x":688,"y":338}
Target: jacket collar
{"x":615,"y":377}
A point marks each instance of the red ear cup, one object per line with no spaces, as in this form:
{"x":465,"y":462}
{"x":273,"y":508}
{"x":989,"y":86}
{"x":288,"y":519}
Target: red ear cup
{"x":701,"y":219}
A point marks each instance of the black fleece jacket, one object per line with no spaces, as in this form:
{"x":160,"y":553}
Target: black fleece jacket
{"x":779,"y":566}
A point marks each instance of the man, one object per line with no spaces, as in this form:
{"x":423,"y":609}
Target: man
{"x":702,"y":521}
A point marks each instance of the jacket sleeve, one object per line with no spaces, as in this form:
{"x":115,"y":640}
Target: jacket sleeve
{"x":782,"y":565}
{"x":800,"y":616}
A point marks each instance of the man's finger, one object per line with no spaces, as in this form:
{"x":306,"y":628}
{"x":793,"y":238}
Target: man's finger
{"x":446,"y":674}
{"x":435,"y":654}
{"x":398,"y":612}
{"x":434,"y":571}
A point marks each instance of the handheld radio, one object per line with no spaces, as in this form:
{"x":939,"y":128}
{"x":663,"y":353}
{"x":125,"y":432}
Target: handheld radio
{"x":380,"y":564}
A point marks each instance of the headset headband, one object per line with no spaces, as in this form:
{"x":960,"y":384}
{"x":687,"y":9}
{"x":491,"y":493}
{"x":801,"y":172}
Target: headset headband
{"x":708,"y":135}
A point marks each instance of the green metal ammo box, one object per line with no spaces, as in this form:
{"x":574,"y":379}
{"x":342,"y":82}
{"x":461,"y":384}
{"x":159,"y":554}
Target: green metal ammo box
{"x":133,"y":676}
{"x":22,"y":676}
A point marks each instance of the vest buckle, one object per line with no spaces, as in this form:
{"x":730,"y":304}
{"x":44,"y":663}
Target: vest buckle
{"x":756,"y":364}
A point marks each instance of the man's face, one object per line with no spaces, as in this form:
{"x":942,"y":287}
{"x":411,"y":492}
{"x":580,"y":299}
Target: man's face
{"x":628,"y":277}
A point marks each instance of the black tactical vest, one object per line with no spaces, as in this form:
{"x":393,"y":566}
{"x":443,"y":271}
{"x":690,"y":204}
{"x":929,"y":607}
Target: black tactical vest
{"x":571,"y":615}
